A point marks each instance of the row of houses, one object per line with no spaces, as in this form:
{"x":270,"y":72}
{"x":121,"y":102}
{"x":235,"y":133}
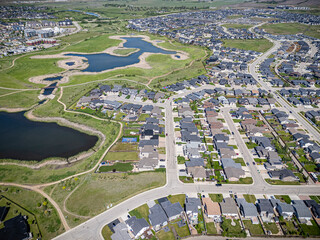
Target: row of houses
{"x":262,"y":211}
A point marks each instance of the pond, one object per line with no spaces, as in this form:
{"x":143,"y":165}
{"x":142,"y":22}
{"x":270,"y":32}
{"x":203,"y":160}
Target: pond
{"x":22,"y":139}
{"x":102,"y":61}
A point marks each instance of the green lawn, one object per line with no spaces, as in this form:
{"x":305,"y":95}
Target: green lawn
{"x":251,"y":145}
{"x":24,"y":99}
{"x":211,"y":228}
{"x":259,"y":45}
{"x":247,"y":180}
{"x":240,"y":160}
{"x":279,"y":182}
{"x":181,"y":231}
{"x":106,"y":232}
{"x":177,"y":198}
{"x":312,"y":230}
{"x":232,"y":231}
{"x":255,"y":229}
{"x":289,"y":228}
{"x":186,"y":179}
{"x":316,"y":198}
{"x":216,"y":197}
{"x":106,"y":189}
{"x":249,"y":198}
{"x":119,"y":167}
{"x":283,"y":198}
{"x":141,"y":212}
{"x":122,"y":156}
{"x":143,"y":117}
{"x":162,"y":235}
{"x":292,"y":28}
{"x":272,"y":227}
{"x":239,"y":26}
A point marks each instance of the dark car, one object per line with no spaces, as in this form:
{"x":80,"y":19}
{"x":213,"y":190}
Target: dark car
{"x":254,"y":163}
{"x":247,"y":164}
{"x":232,"y":133}
{"x":218,"y":184}
{"x":290,"y":112}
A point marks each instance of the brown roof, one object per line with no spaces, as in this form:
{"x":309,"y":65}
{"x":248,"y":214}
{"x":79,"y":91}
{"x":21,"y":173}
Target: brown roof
{"x":211,"y":208}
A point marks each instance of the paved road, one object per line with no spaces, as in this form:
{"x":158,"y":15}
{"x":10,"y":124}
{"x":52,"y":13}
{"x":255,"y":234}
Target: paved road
{"x":257,"y":178}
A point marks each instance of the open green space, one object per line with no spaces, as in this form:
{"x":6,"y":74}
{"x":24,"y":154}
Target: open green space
{"x":23,"y":99}
{"x":238,"y":26}
{"x":255,"y":229}
{"x":186,"y":179}
{"x":259,"y":45}
{"x":45,"y":214}
{"x":292,"y":28}
{"x":122,"y":156}
{"x":249,"y":198}
{"x":24,"y":68}
{"x":216,"y":197}
{"x":272,"y":227}
{"x":94,"y":44}
{"x":106,"y":189}
{"x":246,"y":180}
{"x":120,"y":146}
{"x":125,"y":51}
{"x":141,"y":212}
{"x":180,"y":198}
{"x":117,"y":167}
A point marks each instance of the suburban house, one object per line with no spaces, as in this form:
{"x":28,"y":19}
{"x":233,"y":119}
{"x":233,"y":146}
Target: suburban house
{"x":137,"y":226}
{"x":229,"y":208}
{"x":265,"y":210}
{"x":157,"y":217}
{"x":248,"y":210}
{"x":192,"y":206}
{"x":212,"y":209}
{"x":283,"y":175}
{"x":285,"y":210}
{"x":172,"y":210}
{"x":301,"y":211}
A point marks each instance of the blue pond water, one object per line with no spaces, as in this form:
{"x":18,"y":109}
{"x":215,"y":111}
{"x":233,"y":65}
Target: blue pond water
{"x":23,"y":139}
{"x":70,"y":63}
{"x":53,"y":78}
{"x":103,"y":61}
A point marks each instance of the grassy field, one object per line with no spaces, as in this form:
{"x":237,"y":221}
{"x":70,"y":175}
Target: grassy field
{"x":122,"y":156}
{"x":94,"y":44}
{"x":119,"y":167}
{"x":230,"y":230}
{"x":292,"y":28}
{"x":259,"y":45}
{"x":46,"y":216}
{"x":125,"y":51}
{"x":239,"y":26}
{"x":106,"y":189}
{"x":24,"y":99}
